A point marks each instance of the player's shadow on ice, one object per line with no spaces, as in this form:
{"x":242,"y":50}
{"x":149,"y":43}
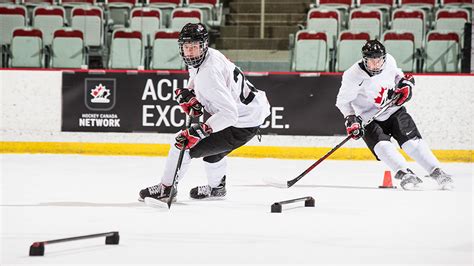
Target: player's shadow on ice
{"x":312,"y":186}
{"x":77,"y":250}
{"x":77,"y":204}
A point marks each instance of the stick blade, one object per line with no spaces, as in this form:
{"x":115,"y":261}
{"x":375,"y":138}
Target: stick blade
{"x":157,"y":204}
{"x":275,"y":182}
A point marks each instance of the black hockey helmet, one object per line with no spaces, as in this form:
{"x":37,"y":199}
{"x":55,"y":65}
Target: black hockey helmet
{"x":191,"y":33}
{"x":373,"y":49}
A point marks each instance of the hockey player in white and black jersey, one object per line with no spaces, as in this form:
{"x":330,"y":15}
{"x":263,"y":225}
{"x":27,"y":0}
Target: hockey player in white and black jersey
{"x":236,"y":107}
{"x":366,"y":86}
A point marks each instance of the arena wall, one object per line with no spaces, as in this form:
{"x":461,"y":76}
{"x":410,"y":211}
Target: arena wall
{"x":442,"y":106}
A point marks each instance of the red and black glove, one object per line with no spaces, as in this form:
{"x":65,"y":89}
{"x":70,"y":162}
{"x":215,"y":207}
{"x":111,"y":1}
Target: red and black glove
{"x":354,"y":126}
{"x":191,"y":136}
{"x":404,"y":89}
{"x":188,"y":102}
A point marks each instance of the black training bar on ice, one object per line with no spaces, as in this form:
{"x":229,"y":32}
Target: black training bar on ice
{"x":308,"y":202}
{"x":37,"y":248}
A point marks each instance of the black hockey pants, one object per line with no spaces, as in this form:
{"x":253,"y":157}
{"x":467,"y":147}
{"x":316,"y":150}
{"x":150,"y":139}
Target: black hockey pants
{"x":219,"y":144}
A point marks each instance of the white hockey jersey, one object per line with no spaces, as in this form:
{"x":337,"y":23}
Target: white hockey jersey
{"x":363,"y":95}
{"x":226,"y":94}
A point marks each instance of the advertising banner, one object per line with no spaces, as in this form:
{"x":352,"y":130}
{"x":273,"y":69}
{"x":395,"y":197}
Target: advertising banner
{"x":144,"y":102}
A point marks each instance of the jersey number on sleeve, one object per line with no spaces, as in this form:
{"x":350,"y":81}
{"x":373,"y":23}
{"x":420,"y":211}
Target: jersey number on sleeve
{"x":245,"y":87}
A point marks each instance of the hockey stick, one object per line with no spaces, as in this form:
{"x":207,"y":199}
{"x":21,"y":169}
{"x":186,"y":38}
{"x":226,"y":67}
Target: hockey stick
{"x":178,"y":166}
{"x":293,"y":181}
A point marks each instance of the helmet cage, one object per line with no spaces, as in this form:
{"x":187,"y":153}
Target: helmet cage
{"x":373,"y":72}
{"x":197,"y":60}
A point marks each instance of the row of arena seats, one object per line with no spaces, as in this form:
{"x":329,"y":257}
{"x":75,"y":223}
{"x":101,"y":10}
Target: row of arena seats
{"x":67,"y":50}
{"x":90,"y":19}
{"x":312,"y":53}
{"x":128,"y":50}
{"x":390,"y":3}
{"x":119,"y":13}
{"x":372,"y":20}
{"x":97,"y":23}
{"x":423,"y":35}
{"x":384,"y":11}
{"x":387,"y":5}
{"x":325,"y":39}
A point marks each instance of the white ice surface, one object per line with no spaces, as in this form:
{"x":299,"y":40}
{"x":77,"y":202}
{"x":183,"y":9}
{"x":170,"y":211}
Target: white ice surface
{"x":46,"y":197}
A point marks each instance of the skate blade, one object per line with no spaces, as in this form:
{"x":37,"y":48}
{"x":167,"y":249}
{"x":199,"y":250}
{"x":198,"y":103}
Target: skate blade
{"x":152,"y":202}
{"x":411,"y":187}
{"x":447,"y":187}
{"x":209,"y":199}
{"x":275,"y":182}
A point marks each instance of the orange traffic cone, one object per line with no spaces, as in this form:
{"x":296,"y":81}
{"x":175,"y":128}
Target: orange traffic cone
{"x":387,"y":180}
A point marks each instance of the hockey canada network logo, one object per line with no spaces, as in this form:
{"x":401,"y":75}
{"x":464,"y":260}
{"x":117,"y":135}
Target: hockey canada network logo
{"x":100,"y":94}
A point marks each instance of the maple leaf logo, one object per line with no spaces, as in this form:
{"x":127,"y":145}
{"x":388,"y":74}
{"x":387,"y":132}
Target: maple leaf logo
{"x":100,"y":94}
{"x":381,"y":96}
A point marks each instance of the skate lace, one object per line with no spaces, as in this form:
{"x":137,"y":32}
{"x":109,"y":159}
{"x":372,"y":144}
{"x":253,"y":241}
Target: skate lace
{"x":156,"y":189}
{"x":441,"y":177}
{"x":437,"y":173}
{"x":445,"y":180}
{"x":204,"y":190}
{"x":410,"y":178}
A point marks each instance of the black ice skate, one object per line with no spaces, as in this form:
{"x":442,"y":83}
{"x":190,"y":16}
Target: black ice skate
{"x":206,"y":192}
{"x":159,"y":192}
{"x":409,"y":180}
{"x":444,"y":180}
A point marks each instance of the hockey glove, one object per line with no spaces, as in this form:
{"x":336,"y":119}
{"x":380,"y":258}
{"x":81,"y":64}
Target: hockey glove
{"x":188,"y":102}
{"x":404,"y":89}
{"x":189,"y":137}
{"x":354,"y":126}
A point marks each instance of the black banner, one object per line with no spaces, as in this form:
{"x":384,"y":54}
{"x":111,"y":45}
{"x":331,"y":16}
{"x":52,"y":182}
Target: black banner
{"x":302,"y":105}
{"x":144,"y":102}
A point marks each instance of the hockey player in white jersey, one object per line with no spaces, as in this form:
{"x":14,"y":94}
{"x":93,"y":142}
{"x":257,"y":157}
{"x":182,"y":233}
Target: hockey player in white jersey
{"x":366,"y":86}
{"x":236,"y":107}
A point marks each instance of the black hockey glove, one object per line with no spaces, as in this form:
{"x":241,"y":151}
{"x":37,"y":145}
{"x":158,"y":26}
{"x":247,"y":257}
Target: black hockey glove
{"x":188,"y":102}
{"x":354,"y":126}
{"x":404,"y":89}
